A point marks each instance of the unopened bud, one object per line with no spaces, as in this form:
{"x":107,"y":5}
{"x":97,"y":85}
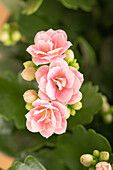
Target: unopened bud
{"x":16,"y":36}
{"x":75,"y":65}
{"x":4,"y":36}
{"x":6,"y":26}
{"x":86,"y":160}
{"x":28,"y":64}
{"x":77,"y":106}
{"x":29,"y":106}
{"x":105,"y":107}
{"x":28,"y":74}
{"x":30,"y":96}
{"x":104,"y":156}
{"x":68,"y":113}
{"x":69,"y":55}
{"x":108,"y":118}
{"x":73,"y":112}
{"x":96,"y":153}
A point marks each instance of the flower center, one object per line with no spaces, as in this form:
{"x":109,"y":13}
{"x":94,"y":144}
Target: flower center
{"x":60,"y":82}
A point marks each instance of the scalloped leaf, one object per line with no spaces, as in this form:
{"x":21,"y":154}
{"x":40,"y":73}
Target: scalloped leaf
{"x":92,"y":103}
{"x":30,"y":163}
{"x":86,"y":5}
{"x":71,"y":146}
{"x":12,"y":105}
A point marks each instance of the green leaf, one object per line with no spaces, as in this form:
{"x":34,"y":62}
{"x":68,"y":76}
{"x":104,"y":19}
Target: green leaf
{"x":92,"y":103}
{"x":32,"y":6}
{"x":12,"y":105}
{"x":30,"y":163}
{"x":70,"y":147}
{"x":85,"y":5}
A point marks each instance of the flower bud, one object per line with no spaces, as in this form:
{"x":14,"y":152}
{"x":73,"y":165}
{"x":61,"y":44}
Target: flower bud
{"x":28,"y":64}
{"x":86,"y":160}
{"x":16,"y":36}
{"x":69,"y":55}
{"x":104,"y":156}
{"x":75,"y":65}
{"x":28,"y":74}
{"x":77,"y":106}
{"x":30,"y":96}
{"x":108,"y":118}
{"x":68,"y":113}
{"x":96,"y":153}
{"x":73,"y":112}
{"x":4,"y":36}
{"x":92,"y":168}
{"x":105,"y":107}
{"x":29,"y":106}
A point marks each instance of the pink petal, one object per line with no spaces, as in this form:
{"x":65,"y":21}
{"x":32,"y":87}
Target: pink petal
{"x":62,"y":32}
{"x":69,"y":78}
{"x":53,"y":73}
{"x":55,"y":51}
{"x":75,"y":98}
{"x":78,"y":74}
{"x":39,"y":60}
{"x":39,"y":102}
{"x":76,"y":85}
{"x":41,"y":71}
{"x":51,"y":90}
{"x":59,"y":40}
{"x":41,"y":36}
{"x":61,"y":107}
{"x":43,"y":83}
{"x":28,"y":124}
{"x":58,"y":119}
{"x":44,"y":46}
{"x":53,"y":119}
{"x":64,"y":95}
{"x":65,"y":47}
{"x":43,"y":96}
{"x":51,"y":32}
{"x":36,"y":127}
{"x":48,"y":131}
{"x":63,"y":128}
{"x":31,"y":50}
{"x":60,"y":63}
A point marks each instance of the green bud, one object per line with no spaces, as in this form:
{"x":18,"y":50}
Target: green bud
{"x":69,"y":56}
{"x":108,"y":118}
{"x":4,"y":36}
{"x":104,"y":156}
{"x":86,"y":160}
{"x":28,"y":64}
{"x":6,"y":26}
{"x":16,"y":36}
{"x":29,"y":106}
{"x":75,"y":65}
{"x":96,"y":153}
{"x":77,"y":106}
{"x":73,"y":112}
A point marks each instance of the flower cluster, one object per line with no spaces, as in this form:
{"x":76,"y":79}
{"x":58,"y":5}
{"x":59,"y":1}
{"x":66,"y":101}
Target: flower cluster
{"x":97,"y":161}
{"x":56,"y":71}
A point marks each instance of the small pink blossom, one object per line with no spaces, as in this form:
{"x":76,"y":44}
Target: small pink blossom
{"x":49,"y":46}
{"x":47,"y":118}
{"x":58,"y":82}
{"x":103,"y":166}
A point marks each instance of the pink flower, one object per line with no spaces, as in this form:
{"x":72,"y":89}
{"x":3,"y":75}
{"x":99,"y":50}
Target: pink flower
{"x":49,"y":46}
{"x":47,"y":118}
{"x":59,"y":83}
{"x":103,"y":166}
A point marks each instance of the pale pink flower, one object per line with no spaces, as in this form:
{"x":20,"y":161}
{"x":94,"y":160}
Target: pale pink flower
{"x":47,"y":118}
{"x":49,"y":46}
{"x":103,"y":166}
{"x":58,"y":82}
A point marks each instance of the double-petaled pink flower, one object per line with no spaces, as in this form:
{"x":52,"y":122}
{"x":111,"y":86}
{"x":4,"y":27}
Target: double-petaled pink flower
{"x":58,"y":82}
{"x":103,"y":166}
{"x":47,"y":118}
{"x":49,"y":46}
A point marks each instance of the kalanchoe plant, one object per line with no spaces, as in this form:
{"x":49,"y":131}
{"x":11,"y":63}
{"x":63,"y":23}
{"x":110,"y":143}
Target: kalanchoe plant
{"x":59,"y":84}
